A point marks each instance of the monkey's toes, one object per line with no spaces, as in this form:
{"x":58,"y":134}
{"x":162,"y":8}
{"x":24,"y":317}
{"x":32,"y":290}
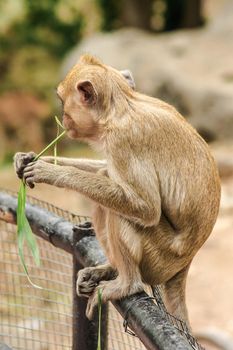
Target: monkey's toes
{"x":85,"y":289}
{"x":89,"y":274}
{"x":87,"y":281}
{"x":91,"y":306}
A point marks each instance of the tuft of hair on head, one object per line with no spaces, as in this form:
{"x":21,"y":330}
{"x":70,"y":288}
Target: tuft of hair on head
{"x":91,"y":60}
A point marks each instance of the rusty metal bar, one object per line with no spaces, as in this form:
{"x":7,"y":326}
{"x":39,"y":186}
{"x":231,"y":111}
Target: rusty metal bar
{"x":85,"y":332}
{"x":45,"y":224}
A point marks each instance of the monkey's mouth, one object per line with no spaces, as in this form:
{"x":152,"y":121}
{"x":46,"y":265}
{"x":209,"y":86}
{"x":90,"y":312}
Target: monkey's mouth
{"x":70,"y":126}
{"x":68,"y":122}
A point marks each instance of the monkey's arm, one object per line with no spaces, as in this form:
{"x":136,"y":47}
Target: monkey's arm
{"x":90,"y":165}
{"x":145,"y":209}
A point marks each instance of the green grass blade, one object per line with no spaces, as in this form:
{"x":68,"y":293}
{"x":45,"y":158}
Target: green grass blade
{"x":55,"y":146}
{"x":50,"y":145}
{"x":20,"y":204}
{"x":58,"y":122}
{"x":24,"y":232}
{"x":20,"y":220}
{"x":29,"y":236}
{"x":59,"y":125}
{"x":100,"y":315}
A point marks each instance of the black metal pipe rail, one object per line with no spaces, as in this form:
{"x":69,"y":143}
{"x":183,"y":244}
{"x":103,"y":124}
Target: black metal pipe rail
{"x":142,"y":315}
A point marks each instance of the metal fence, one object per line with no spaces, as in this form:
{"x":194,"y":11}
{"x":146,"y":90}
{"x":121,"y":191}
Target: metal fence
{"x":52,"y":318}
{"x":32,"y":318}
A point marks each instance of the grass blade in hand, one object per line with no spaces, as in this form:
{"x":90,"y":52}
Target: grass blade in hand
{"x":24,"y":232}
{"x":23,"y":228}
{"x":59,"y":125}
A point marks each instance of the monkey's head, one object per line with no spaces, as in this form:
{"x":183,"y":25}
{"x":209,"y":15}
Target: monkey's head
{"x":90,"y":92}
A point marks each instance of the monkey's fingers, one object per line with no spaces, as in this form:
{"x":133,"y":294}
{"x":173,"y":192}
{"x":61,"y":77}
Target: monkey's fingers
{"x":93,"y":299}
{"x":19,"y":173}
{"x":29,"y":167}
{"x":18,"y":163}
{"x":91,"y":305}
{"x":21,"y":160}
{"x":31,"y":184}
{"x":28,"y":175}
{"x":29,"y":181}
{"x":85,"y":289}
{"x":29,"y":157}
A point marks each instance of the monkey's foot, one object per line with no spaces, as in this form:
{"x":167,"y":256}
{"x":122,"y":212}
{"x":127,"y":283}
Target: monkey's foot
{"x":89,"y":278}
{"x":111,"y":290}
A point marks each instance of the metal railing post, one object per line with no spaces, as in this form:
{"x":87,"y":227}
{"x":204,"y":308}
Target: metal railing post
{"x":85,"y":332}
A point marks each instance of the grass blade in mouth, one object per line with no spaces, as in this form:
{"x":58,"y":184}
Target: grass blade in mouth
{"x":50,"y":145}
{"x":59,"y":125}
{"x":24,"y":231}
{"x":58,"y":122}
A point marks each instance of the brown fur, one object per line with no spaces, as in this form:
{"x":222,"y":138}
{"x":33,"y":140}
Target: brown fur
{"x":157,"y":193}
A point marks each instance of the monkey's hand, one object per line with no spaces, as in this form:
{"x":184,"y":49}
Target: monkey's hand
{"x":40,"y":171}
{"x":21,"y":160}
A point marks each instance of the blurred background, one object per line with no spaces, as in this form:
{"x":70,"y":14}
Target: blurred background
{"x":180,"y":51}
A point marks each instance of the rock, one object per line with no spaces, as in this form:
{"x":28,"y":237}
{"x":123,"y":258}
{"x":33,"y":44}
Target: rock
{"x":191,"y":69}
{"x":223,"y":23}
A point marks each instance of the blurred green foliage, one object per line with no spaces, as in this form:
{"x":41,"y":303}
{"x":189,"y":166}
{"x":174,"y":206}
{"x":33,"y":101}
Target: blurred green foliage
{"x":40,"y":33}
{"x":34,"y":37}
{"x":154,"y":15}
{"x":110,"y":10}
{"x":33,"y":44}
{"x":44,"y":27}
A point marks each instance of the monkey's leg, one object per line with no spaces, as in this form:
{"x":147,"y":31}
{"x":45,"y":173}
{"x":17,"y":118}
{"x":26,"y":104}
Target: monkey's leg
{"x":126,"y":283}
{"x":89,"y":278}
{"x":112,"y":290}
{"x":175,"y":295}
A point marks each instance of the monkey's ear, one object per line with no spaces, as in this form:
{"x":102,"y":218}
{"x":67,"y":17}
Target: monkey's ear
{"x":87,"y":92}
{"x":129,"y":77}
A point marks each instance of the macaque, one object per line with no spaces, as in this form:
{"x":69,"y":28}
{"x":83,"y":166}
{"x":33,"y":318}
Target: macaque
{"x":156,"y":195}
